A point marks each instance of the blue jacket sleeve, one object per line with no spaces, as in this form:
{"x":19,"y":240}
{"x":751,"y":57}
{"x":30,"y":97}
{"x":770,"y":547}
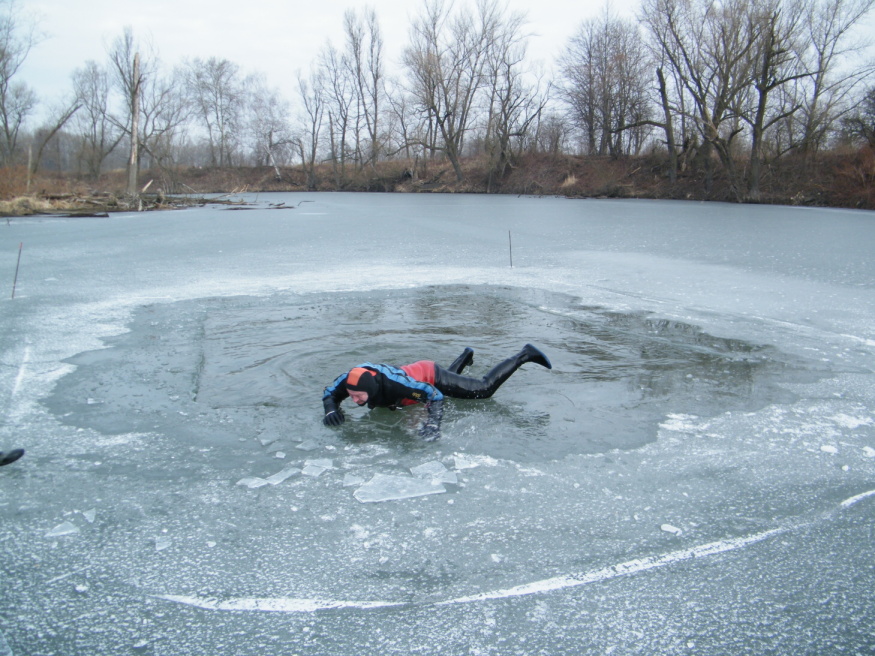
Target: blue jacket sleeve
{"x":335,"y":393}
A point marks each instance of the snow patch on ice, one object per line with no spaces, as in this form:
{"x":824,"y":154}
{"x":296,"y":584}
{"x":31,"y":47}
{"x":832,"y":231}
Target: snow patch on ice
{"x":683,"y":423}
{"x":472,"y":461}
{"x":847,"y":421}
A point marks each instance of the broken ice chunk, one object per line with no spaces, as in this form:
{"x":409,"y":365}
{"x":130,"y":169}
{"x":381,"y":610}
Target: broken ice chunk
{"x":252,"y":482}
{"x":431,"y":468}
{"x":869,"y":452}
{"x":90,"y":515}
{"x":309,"y":445}
{"x":162,"y":543}
{"x":828,"y":448}
{"x":435,"y":471}
{"x":384,"y":487}
{"x":316,"y":467}
{"x":668,"y":528}
{"x":282,"y":475}
{"x":351,"y":480}
{"x":66,"y":528}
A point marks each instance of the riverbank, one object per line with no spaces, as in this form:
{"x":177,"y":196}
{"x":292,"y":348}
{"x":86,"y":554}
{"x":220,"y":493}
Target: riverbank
{"x":831,"y":180}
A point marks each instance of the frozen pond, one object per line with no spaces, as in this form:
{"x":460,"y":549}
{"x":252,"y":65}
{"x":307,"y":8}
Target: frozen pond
{"x":692,"y":477}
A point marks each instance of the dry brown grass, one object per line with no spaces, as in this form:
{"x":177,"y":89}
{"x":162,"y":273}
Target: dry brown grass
{"x":835,"y":179}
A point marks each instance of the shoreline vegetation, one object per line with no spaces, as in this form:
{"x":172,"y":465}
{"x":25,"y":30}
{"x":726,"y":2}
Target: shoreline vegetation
{"x":840,"y":180}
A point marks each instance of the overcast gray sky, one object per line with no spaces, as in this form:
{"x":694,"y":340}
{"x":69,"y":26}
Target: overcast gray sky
{"x":275,"y":37}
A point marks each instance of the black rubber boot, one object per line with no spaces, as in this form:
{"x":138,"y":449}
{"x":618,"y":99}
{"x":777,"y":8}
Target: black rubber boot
{"x":12,"y":456}
{"x":464,"y":387}
{"x":462,"y":361}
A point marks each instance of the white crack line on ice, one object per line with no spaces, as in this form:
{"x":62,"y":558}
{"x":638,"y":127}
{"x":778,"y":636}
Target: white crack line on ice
{"x":614,"y":571}
{"x":288,"y":605}
{"x":275,"y":604}
{"x":22,"y":371}
{"x":859,"y":497}
{"x":291,"y":605}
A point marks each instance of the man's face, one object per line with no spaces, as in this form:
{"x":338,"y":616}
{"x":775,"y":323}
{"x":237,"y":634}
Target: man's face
{"x":358,"y":397}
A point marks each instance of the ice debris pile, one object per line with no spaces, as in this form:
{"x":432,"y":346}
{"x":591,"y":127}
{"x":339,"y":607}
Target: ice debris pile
{"x":428,"y":478}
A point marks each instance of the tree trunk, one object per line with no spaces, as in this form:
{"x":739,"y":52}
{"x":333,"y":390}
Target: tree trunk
{"x":135,"y":129}
{"x":669,"y":129}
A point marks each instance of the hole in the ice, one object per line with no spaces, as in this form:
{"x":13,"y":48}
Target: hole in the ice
{"x":266,"y":360}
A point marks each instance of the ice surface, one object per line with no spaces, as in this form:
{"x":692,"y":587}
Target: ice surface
{"x":389,"y":487}
{"x":703,"y":353}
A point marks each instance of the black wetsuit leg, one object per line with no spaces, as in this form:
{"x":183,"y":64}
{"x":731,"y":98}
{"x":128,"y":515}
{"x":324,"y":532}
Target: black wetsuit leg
{"x":464,"y":387}
{"x":462,"y":361}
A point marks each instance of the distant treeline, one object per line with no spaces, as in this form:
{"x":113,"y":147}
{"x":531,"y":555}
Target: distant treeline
{"x":723,"y":93}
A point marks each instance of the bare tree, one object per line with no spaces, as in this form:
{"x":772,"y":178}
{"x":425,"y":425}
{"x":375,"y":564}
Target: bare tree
{"x":365,"y":59}
{"x":604,"y":71}
{"x":18,"y":35}
{"x":826,"y":94}
{"x":859,"y":125}
{"x":58,"y":117}
{"x":129,"y":75}
{"x":165,"y":110}
{"x":312,"y":95}
{"x":445,"y":63}
{"x":217,"y":95}
{"x":711,"y":48}
{"x":269,"y":124}
{"x":516,"y":98}
{"x":96,"y":133}
{"x":340,"y":100}
{"x":775,"y":65}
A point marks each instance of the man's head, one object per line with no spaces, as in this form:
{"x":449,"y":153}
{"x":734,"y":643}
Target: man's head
{"x":361,"y":385}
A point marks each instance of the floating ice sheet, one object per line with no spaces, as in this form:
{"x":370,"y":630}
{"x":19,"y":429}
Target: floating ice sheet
{"x":385,"y":487}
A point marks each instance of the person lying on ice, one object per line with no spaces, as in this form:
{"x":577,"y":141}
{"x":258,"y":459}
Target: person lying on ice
{"x":385,"y":386}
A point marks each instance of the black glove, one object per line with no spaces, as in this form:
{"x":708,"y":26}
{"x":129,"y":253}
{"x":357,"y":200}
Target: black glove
{"x":333,"y":418}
